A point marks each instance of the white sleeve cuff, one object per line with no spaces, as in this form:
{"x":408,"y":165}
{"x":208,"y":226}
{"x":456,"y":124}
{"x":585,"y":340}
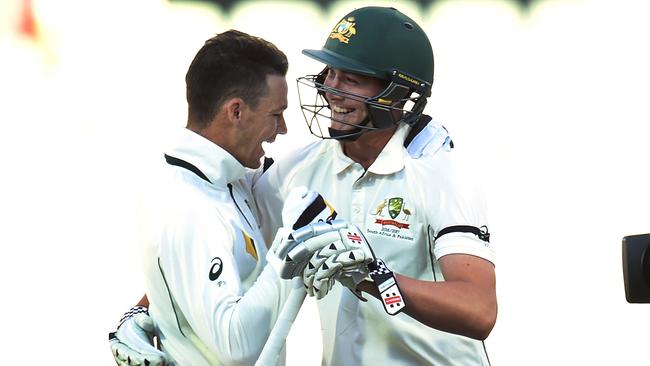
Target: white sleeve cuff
{"x":463,"y":243}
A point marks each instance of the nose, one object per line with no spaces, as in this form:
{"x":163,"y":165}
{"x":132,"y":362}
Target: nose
{"x":281,"y":128}
{"x":332,"y":82}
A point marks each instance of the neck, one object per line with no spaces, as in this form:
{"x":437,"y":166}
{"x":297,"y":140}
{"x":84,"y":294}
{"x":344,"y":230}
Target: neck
{"x":368,"y":146}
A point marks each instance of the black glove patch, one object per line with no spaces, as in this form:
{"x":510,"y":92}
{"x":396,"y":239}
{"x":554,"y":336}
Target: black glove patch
{"x":384,"y":279}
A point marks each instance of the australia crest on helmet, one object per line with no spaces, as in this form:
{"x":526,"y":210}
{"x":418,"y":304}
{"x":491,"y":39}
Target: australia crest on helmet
{"x":344,"y":30}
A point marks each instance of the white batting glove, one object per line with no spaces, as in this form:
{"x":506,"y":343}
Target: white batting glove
{"x":310,"y":215}
{"x":352,"y":278}
{"x":345,"y":259}
{"x":132,"y":343}
{"x":292,"y":254}
{"x":303,"y":207}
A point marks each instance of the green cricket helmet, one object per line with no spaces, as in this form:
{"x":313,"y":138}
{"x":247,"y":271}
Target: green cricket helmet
{"x":382,"y":43}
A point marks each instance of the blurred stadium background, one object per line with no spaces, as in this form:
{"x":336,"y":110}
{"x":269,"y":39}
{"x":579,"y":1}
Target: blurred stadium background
{"x":551,"y":95}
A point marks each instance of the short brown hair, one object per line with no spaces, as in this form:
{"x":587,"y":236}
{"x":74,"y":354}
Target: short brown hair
{"x":232,"y":64}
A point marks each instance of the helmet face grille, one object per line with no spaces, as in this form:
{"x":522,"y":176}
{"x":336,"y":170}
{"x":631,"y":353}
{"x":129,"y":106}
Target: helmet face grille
{"x":316,"y":109}
{"x":393,"y":105}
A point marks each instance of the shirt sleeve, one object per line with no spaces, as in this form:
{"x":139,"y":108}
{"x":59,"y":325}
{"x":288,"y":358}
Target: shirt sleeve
{"x":202,"y":275}
{"x":459,"y":218}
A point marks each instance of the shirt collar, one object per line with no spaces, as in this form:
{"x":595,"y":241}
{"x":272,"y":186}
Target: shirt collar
{"x":390,"y":160}
{"x":340,"y":161}
{"x":211,"y":159}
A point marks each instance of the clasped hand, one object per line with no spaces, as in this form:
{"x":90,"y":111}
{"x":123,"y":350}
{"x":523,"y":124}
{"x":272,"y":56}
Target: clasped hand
{"x":344,"y":258}
{"x":322,"y":252}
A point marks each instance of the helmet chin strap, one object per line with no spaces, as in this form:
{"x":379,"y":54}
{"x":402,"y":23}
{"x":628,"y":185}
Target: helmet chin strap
{"x":349,"y":135}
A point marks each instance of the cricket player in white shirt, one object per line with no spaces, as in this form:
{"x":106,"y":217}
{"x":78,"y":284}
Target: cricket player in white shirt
{"x":213,"y":289}
{"x":395,"y":174}
{"x":421,"y":212}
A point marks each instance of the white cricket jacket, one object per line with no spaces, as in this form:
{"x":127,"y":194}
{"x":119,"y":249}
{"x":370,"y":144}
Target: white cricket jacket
{"x":211,"y":293}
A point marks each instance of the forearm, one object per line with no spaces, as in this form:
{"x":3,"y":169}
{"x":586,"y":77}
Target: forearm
{"x":241,"y":326}
{"x":456,"y":307}
{"x":256,"y":312}
{"x":230,"y":320}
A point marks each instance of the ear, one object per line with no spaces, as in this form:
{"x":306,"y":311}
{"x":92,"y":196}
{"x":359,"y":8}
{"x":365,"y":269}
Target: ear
{"x":234,"y":109}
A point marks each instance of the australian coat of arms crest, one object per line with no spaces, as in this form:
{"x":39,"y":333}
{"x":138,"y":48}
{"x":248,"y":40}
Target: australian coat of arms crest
{"x":344,"y":30}
{"x":394,"y":211}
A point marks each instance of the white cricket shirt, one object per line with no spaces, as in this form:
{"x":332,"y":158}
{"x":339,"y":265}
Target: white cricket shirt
{"x":210,"y":292}
{"x":402,"y":204}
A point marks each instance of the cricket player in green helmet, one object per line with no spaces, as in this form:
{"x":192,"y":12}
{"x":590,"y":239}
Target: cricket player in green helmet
{"x":392,"y":171}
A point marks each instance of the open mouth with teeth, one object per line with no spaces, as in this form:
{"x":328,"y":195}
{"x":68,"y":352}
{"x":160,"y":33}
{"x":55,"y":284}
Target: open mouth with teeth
{"x":341,"y":110}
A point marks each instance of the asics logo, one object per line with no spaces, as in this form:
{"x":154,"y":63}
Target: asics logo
{"x":215,"y":270}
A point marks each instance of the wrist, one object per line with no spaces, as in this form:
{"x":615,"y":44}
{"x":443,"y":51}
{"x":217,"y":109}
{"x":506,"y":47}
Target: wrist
{"x":144,"y":301}
{"x":275,"y":255}
{"x":368,"y":287}
{"x":138,"y":309}
{"x":386,"y":285}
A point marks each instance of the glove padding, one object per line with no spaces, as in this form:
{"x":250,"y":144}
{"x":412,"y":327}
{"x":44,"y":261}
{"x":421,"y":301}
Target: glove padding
{"x":132,"y":343}
{"x":297,"y":248}
{"x":346,"y":259}
{"x":303,"y":207}
{"x":311,"y":216}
